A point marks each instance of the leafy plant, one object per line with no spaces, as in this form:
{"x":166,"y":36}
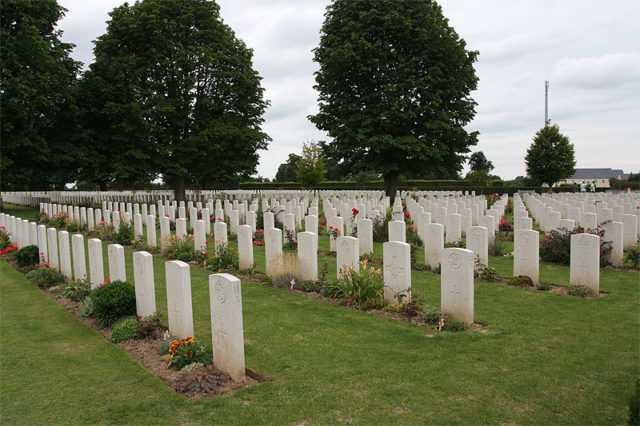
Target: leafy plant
{"x":114,"y":301}
{"x":192,"y":367}
{"x":200,"y":381}
{"x":556,"y":245}
{"x":634,"y":405}
{"x":381,"y":229}
{"x":125,"y":235}
{"x":124,"y":330}
{"x":505,"y":225}
{"x":86,"y":307}
{"x":363,"y":289}
{"x":166,"y":345}
{"x":225,"y":258}
{"x":76,"y":290}
{"x":258,"y":237}
{"x":44,"y":276}
{"x":27,"y":256}
{"x":102,"y":230}
{"x":173,"y":247}
{"x":187,"y":351}
{"x":291,"y":243}
{"x":580,"y":291}
{"x":59,"y":221}
{"x":416,"y":245}
{"x":633,"y":257}
{"x":5,"y":241}
{"x":543,"y":286}
{"x":497,"y":248}
{"x":148,"y":326}
{"x":521,"y":281}
{"x":486,"y":273}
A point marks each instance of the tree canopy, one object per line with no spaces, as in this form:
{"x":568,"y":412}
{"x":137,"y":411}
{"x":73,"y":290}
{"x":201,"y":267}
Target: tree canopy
{"x":310,"y":167}
{"x":550,"y":157}
{"x":37,"y":87}
{"x":178,"y":92}
{"x":394,"y":88}
{"x":478,"y":162}
{"x":288,"y":171}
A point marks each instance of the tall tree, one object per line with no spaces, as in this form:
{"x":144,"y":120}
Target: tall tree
{"x":37,"y":91}
{"x":311,"y":168}
{"x":288,"y":171}
{"x":193,"y":86}
{"x":394,"y":88}
{"x":478,"y":162}
{"x":550,"y":157}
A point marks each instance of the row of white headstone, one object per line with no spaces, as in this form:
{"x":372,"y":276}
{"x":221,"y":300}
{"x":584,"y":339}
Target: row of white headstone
{"x":224,"y":289}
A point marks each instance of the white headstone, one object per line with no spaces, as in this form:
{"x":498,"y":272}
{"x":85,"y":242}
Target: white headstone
{"x":397,"y":272}
{"x":307,"y":256}
{"x":117,"y":271}
{"x":273,"y":251}
{"x":478,"y":243}
{"x":397,"y":231}
{"x":219,"y":235}
{"x":226,"y":325}
{"x":585,"y":261}
{"x":151,"y":231}
{"x":144,"y":283}
{"x":526,"y":254}
{"x":245,"y":247}
{"x":42,"y":243}
{"x":268,"y":220}
{"x":365,"y":236}
{"x":453,"y":227}
{"x":181,"y":228}
{"x":65,"y":254}
{"x":630,"y":230}
{"x":179,"y":307}
{"x":79,"y":261}
{"x":347,"y":254}
{"x":52,"y":248}
{"x":613,"y":232}
{"x":96,"y":263}
{"x":434,"y":244}
{"x":456,"y":284}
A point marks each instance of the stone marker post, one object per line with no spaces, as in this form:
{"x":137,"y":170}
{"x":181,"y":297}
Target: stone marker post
{"x":245,"y":247}
{"x":585,"y":261}
{"x":144,"y":283}
{"x":307,"y":256}
{"x":117,"y":271}
{"x":179,"y":299}
{"x":397,"y":272}
{"x":96,"y":265}
{"x":347,"y":254}
{"x":79,"y":261}
{"x":456,"y":284}
{"x":526,"y":254}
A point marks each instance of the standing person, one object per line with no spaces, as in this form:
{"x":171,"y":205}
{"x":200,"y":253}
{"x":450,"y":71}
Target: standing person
{"x":592,"y":187}
{"x":575,"y":187}
{"x":583,"y":187}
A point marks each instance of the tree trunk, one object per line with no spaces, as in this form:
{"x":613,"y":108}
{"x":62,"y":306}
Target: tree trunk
{"x":391,"y":184}
{"x":178,"y":189}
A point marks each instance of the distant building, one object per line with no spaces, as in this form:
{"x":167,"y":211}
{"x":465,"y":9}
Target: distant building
{"x":601,"y":177}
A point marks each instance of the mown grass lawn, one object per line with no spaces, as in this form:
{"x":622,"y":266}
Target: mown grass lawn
{"x":542,"y":358}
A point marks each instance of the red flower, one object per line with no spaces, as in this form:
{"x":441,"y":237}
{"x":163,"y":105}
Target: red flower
{"x":502,"y":222}
{"x":206,"y":242}
{"x":220,"y":219}
{"x":101,"y":284}
{"x":166,"y":215}
{"x":47,"y":265}
{"x":355,"y":211}
{"x":108,"y":279}
{"x":407,"y":214}
{"x":412,"y":226}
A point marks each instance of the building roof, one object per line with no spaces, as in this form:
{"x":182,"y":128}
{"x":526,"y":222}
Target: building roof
{"x":599,"y":174}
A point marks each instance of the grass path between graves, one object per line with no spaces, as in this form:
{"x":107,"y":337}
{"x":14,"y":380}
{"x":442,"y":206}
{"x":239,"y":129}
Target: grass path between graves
{"x":543,"y":358}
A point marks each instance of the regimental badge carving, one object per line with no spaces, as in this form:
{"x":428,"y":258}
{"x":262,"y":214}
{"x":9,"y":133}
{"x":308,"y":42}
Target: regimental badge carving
{"x":220,"y":294}
{"x":454,"y":260}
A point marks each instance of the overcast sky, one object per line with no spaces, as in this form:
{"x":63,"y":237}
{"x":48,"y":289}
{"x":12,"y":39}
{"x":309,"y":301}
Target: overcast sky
{"x":589,"y":51}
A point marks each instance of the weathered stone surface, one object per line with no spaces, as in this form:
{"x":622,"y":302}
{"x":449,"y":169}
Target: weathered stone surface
{"x":96,"y":263}
{"x":179,"y":306}
{"x":434,"y":244}
{"x":307,"y":256}
{"x":478,"y":243}
{"x":79,"y":260}
{"x":347,"y":254}
{"x":273,"y":251}
{"x":526,"y":254}
{"x":397,"y":272}
{"x":65,"y":254}
{"x":456,"y":284}
{"x":144,"y":283}
{"x":226,"y":324}
{"x":585,"y":261}
{"x":245,"y":247}
{"x":117,"y":271}
{"x":397,"y":231}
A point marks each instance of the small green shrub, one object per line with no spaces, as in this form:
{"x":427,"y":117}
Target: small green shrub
{"x":310,"y":286}
{"x":200,"y":381}
{"x":556,"y":245}
{"x":86,"y":307}
{"x":76,"y":291}
{"x":27,"y":256}
{"x":393,"y":307}
{"x":45,"y":277}
{"x":125,"y":235}
{"x":102,"y":230}
{"x":486,"y":273}
{"x":166,"y":345}
{"x":114,"y":301}
{"x":521,"y":281}
{"x":124,"y":330}
{"x":449,"y":324}
{"x":185,"y":257}
{"x":580,"y":291}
